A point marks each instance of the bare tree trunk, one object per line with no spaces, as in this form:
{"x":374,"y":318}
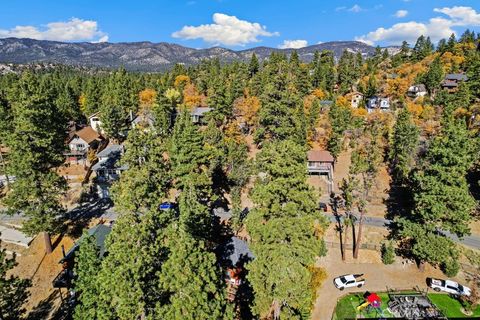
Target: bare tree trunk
{"x":48,"y":243}
{"x":345,"y":235}
{"x":4,"y":166}
{"x":421,"y":266}
{"x":359,"y":236}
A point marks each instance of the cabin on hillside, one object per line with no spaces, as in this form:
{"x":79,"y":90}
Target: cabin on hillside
{"x":80,"y":143}
{"x":452,"y":80}
{"x":321,"y":162}
{"x":198,"y":115}
{"x":418,"y":90}
{"x":355,"y":98}
{"x":378,"y":103}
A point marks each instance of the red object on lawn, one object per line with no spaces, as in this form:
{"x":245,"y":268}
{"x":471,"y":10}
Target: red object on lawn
{"x":374,"y":300}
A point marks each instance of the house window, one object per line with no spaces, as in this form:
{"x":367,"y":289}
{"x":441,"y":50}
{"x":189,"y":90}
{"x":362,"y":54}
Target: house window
{"x":80,"y":146}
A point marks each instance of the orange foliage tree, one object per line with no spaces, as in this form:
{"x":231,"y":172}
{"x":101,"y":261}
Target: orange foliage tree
{"x":192,"y":98}
{"x":147,"y":97}
{"x":181,"y":80}
{"x":247,"y":108}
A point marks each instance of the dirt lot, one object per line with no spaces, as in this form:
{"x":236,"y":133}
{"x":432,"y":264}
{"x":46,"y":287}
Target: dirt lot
{"x":379,"y":194}
{"x":378,"y":278}
{"x":41,"y":269}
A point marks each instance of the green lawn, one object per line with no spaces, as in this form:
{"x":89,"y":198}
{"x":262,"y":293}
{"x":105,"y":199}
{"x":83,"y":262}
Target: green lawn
{"x":346,"y":306}
{"x":450,"y":306}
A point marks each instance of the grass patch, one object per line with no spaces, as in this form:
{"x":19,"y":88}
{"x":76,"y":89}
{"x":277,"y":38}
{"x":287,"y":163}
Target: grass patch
{"x":346,"y":307}
{"x":449,"y":306}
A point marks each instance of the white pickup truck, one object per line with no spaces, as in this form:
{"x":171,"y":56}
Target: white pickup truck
{"x":448,"y":286}
{"x":349,"y":281}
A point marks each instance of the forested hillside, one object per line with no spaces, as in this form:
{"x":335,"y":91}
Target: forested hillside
{"x":147,"y":56}
{"x":265,"y":116}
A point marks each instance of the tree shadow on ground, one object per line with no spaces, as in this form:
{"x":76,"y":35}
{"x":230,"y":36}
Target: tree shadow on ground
{"x":45,"y":307}
{"x":77,"y":219}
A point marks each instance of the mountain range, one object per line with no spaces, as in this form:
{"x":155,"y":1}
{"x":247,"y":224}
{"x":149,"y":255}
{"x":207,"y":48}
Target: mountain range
{"x":147,"y":56}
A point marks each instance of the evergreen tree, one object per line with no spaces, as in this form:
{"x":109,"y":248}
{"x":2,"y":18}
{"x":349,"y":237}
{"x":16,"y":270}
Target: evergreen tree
{"x":13,"y":290}
{"x":473,"y":73}
{"x":195,"y":215}
{"x":340,"y":120}
{"x":36,"y":144}
{"x":404,"y":51}
{"x":191,"y":281}
{"x":67,"y":104}
{"x":143,"y":186}
{"x":467,"y":36}
{"x":442,"y":46}
{"x":281,"y":115}
{"x":442,"y":200}
{"x":285,"y":233}
{"x":254,"y":66}
{"x":433,"y":76}
{"x":324,"y":71}
{"x":87,"y":266}
{"x":347,"y":72}
{"x":128,"y":278}
{"x":188,"y":153}
{"x":452,"y":41}
{"x":404,"y":144}
{"x":164,"y":110}
{"x":91,"y":97}
{"x":117,"y":105}
{"x":219,"y":100}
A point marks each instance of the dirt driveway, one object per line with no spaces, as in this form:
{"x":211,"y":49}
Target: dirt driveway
{"x":378,"y":276}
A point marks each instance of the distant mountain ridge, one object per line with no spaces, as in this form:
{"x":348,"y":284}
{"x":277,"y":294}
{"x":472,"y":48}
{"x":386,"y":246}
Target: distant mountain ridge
{"x":147,"y":56}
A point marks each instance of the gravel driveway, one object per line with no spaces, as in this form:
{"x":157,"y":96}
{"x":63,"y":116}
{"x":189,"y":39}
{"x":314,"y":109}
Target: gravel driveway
{"x":378,"y":276}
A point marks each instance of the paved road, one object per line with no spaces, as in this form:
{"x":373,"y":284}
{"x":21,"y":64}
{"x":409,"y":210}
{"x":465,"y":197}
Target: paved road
{"x":470,"y":241}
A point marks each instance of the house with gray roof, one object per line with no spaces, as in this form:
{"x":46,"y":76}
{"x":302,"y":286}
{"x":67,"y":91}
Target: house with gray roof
{"x":108,"y":169}
{"x":198,"y":114}
{"x":452,"y":81}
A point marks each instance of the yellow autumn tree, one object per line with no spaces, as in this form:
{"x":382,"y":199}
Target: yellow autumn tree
{"x":191,"y":97}
{"x":342,"y":101}
{"x":181,"y":80}
{"x":247,"y":107}
{"x":147,"y":97}
{"x":318,"y":93}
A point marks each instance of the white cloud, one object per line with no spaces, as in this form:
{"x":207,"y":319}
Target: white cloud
{"x":227,"y":30}
{"x":401,"y":13}
{"x":461,"y":16}
{"x":355,"y":8}
{"x":436,"y":28}
{"x":293,"y":44}
{"x":72,"y":30}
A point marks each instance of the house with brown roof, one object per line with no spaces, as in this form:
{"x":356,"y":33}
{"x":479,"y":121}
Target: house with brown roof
{"x":452,"y":81}
{"x":321,"y":162}
{"x":80,"y":142}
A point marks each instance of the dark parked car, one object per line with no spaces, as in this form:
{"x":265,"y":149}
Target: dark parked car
{"x":323,"y":206}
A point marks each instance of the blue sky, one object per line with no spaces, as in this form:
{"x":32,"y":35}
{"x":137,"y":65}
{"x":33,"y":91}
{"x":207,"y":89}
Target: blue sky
{"x":237,"y":24}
